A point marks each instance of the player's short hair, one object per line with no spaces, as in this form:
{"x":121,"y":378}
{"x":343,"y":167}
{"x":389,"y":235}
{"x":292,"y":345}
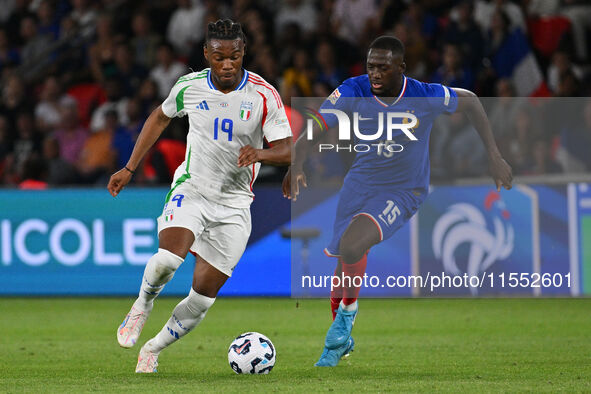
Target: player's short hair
{"x":390,"y":43}
{"x":224,"y":30}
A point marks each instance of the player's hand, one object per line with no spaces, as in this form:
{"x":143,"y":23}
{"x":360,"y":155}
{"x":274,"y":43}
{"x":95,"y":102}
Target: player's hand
{"x":501,"y":172}
{"x":248,"y":155}
{"x":292,"y":189}
{"x":118,"y":181}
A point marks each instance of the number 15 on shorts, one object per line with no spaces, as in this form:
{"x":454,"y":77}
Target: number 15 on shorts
{"x":390,"y":213}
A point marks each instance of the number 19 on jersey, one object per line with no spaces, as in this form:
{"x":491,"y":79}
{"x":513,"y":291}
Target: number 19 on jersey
{"x":226,"y":126}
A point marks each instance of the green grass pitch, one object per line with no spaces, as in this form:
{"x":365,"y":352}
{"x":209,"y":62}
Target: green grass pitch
{"x":426,"y":345}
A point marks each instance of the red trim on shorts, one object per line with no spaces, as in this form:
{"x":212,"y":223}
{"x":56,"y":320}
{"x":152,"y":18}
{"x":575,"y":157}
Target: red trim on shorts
{"x":327,"y":253}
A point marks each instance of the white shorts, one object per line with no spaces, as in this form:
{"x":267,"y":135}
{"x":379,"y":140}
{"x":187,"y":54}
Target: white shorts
{"x":221,"y":232}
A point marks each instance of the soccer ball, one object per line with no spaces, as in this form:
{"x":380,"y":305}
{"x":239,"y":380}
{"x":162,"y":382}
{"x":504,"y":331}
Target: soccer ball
{"x":252,"y":353}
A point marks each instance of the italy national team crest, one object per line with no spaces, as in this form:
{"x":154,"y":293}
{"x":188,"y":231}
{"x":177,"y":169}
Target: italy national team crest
{"x":168,"y":215}
{"x":245,"y":110}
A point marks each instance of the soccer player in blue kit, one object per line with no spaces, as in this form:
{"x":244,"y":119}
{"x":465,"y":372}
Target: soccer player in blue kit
{"x":385,"y":186}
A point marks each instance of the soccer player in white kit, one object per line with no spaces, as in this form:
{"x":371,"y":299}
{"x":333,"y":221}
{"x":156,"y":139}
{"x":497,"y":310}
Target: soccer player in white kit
{"x":207,"y":210}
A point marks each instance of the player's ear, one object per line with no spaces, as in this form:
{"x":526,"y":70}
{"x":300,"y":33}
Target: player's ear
{"x":402,"y":67}
{"x":205,"y":53}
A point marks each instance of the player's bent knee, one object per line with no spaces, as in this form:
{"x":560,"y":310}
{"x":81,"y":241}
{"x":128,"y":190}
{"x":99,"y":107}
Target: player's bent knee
{"x":207,"y":289}
{"x":352,"y":249}
{"x":176,"y":240}
{"x":351,"y":252}
{"x":207,"y":280}
{"x":360,"y":236}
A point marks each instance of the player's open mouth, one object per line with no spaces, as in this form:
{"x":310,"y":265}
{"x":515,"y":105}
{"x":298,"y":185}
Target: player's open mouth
{"x":376,"y":85}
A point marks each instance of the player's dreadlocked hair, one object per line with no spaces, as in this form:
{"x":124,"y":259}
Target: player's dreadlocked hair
{"x":389,"y":43}
{"x":224,"y":30}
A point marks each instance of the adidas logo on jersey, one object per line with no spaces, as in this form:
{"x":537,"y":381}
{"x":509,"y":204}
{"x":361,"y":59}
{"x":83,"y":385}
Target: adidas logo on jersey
{"x":203,"y":105}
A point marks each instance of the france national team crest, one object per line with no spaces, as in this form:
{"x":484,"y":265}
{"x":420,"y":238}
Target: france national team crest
{"x":479,"y":232}
{"x":245,"y":110}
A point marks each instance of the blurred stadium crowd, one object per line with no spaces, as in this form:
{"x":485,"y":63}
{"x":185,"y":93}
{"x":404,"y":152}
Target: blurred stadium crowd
{"x":80,"y":77}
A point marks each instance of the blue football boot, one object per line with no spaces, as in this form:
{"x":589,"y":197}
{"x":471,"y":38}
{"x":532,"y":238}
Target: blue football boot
{"x":339,"y":332}
{"x":331,"y":357}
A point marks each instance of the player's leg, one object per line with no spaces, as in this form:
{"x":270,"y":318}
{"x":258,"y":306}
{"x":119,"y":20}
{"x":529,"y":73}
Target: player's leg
{"x":361,"y":234}
{"x":174,"y":244}
{"x":350,"y":202}
{"x":218,"y":249}
{"x":336,"y":292}
{"x":393,"y":209}
{"x":187,"y":315}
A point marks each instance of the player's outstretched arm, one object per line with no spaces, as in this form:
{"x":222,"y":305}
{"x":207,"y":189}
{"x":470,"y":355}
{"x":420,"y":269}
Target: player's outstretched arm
{"x":153,"y":128}
{"x":500,"y":170}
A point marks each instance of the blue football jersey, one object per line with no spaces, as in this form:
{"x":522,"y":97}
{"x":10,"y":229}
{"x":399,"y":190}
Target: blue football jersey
{"x":395,"y":160}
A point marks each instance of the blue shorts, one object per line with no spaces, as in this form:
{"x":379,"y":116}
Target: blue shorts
{"x":388,"y":209}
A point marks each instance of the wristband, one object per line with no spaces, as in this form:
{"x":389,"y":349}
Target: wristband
{"x":132,"y":172}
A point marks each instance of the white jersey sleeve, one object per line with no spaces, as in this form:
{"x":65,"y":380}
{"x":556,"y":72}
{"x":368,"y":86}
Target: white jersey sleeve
{"x":275,"y":123}
{"x":174,"y":105}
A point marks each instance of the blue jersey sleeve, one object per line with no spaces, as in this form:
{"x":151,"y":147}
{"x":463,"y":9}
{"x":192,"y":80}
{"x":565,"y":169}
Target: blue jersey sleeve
{"x":338,"y":99}
{"x":441,"y":98}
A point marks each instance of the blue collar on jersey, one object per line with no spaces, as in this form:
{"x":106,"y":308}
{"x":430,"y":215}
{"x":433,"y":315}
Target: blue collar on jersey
{"x":240,"y":85}
{"x":399,"y":96}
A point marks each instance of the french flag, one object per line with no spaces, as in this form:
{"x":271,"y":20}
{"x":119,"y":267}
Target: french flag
{"x":515,"y":60}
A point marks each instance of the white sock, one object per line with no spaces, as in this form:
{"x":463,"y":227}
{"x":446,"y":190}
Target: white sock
{"x":159,"y":271}
{"x":349,"y":308}
{"x":186,"y":315}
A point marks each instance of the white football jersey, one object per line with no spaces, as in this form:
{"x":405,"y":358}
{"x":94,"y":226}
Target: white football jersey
{"x":219,"y":125}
